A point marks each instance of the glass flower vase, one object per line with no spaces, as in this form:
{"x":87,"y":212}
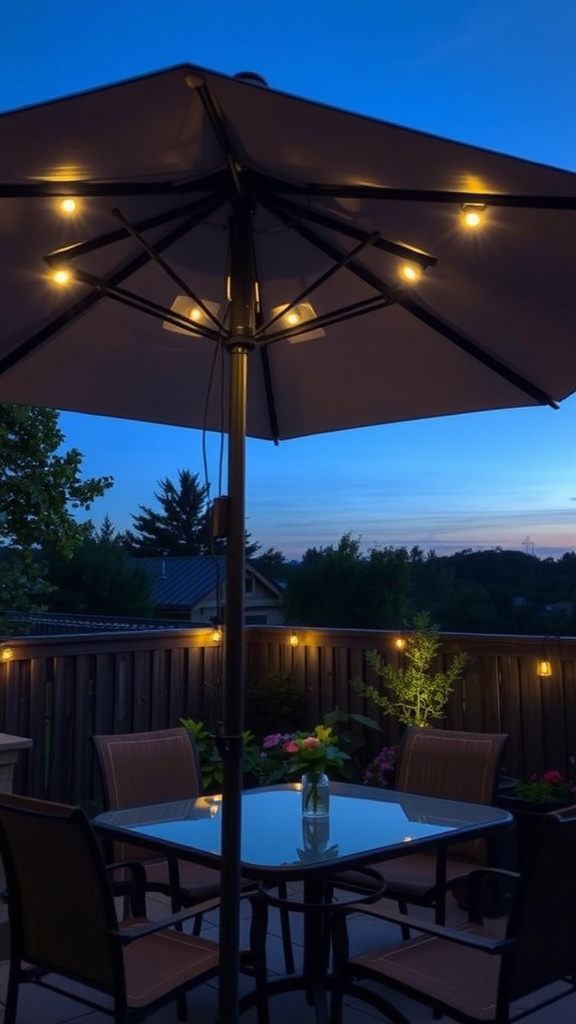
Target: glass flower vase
{"x":315,"y":794}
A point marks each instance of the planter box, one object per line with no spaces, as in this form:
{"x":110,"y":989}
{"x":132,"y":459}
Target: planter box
{"x":527,"y":815}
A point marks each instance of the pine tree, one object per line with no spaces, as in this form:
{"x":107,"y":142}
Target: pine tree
{"x":179,"y":528}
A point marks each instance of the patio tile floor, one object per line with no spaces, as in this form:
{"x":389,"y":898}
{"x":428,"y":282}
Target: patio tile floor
{"x":37,"y":1007}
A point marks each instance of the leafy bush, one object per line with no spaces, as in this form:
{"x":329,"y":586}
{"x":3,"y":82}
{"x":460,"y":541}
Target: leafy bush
{"x":410,"y":691}
{"x":211,"y":768}
{"x":274,"y":704}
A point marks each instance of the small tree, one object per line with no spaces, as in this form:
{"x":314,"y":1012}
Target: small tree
{"x":411,"y":692}
{"x":41,"y":494}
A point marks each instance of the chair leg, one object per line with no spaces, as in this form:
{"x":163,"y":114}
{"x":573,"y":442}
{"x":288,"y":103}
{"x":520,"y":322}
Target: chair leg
{"x":403,"y":908}
{"x":286,"y":932}
{"x":258,"y":933}
{"x":12,"y":993}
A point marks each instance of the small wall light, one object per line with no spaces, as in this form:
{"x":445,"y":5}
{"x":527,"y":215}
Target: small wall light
{"x":543,"y":667}
{"x":6,"y":653}
{"x":216,"y":630}
{"x":400,"y":643}
{"x":293,"y":640}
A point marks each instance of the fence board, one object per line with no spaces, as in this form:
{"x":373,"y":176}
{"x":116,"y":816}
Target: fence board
{"x":58,"y":690}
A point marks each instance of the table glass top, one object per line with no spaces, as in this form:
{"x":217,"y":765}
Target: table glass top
{"x":274,"y":833}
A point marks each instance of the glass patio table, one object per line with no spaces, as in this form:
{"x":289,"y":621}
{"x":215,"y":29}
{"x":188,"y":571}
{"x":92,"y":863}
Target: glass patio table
{"x":278,"y":844}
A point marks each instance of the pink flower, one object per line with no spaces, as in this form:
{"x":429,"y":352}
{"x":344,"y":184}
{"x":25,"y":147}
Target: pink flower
{"x":311,"y":742}
{"x":291,"y":747}
{"x":553,"y":777}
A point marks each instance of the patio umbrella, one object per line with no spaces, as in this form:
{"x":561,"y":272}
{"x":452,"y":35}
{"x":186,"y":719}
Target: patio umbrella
{"x":238,"y":259}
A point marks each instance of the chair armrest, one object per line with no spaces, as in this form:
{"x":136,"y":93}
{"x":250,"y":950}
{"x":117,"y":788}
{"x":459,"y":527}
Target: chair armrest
{"x":477,"y":883}
{"x":136,"y":885}
{"x":460,"y":936}
{"x":142,"y":927}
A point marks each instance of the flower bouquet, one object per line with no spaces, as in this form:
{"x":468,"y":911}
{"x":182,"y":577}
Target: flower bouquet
{"x":312,"y":755}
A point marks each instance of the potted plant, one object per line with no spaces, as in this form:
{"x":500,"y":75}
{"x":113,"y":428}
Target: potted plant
{"x":529,"y":800}
{"x":411,"y":691}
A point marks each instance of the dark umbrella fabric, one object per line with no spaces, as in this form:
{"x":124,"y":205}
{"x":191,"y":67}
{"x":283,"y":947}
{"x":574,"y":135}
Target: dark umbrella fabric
{"x":237,"y":260}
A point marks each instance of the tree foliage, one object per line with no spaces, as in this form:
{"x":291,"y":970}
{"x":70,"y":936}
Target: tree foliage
{"x":412,"y":692}
{"x":100,"y":578}
{"x":338,"y":586}
{"x":40,"y":489}
{"x":181,"y":526}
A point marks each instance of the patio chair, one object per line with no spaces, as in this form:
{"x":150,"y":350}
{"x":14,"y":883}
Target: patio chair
{"x":471,"y":973}
{"x":152,"y":768}
{"x":451,"y":765}
{"x":64,"y":925}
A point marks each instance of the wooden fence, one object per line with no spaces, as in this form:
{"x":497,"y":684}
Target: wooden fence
{"x":60,"y":690}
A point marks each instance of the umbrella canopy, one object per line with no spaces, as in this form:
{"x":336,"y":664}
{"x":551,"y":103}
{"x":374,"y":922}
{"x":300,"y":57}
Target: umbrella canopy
{"x":168,"y":160}
{"x":238,"y":259}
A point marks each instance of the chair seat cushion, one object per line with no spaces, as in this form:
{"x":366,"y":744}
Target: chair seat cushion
{"x":458,"y":976}
{"x":412,"y":876}
{"x":159,"y":963}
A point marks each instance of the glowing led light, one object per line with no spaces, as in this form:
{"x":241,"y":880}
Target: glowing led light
{"x":62,"y":276}
{"x":295,"y":315}
{"x":473,"y":214}
{"x":293,"y":640}
{"x":196,"y":314}
{"x":68,"y":206}
{"x":399,"y":643}
{"x":6,"y":654}
{"x":543,"y":668}
{"x":410,"y":272}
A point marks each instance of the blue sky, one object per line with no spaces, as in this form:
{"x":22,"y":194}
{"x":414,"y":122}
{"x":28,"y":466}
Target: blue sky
{"x":497,"y":75}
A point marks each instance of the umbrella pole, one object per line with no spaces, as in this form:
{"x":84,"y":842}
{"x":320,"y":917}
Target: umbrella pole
{"x":233,"y":693}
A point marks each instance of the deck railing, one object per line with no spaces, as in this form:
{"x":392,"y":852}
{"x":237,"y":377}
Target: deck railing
{"x":60,"y":690}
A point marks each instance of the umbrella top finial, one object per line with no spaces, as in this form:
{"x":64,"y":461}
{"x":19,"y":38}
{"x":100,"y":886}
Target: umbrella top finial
{"x":251,"y":76}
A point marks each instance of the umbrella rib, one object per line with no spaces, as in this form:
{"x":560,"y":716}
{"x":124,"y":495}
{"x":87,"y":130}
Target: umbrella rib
{"x":269,"y":391}
{"x":336,"y":254}
{"x":401,"y":249}
{"x":337,"y":316}
{"x":276,"y":185}
{"x":474,"y":350}
{"x":144,"y":305}
{"x":76,"y":310}
{"x":154,"y":255}
{"x":216,"y":119}
{"x":200,"y":210}
{"x":55,"y":189}
{"x":316,"y":284}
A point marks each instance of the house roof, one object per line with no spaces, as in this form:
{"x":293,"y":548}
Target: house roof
{"x":188,"y":580}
